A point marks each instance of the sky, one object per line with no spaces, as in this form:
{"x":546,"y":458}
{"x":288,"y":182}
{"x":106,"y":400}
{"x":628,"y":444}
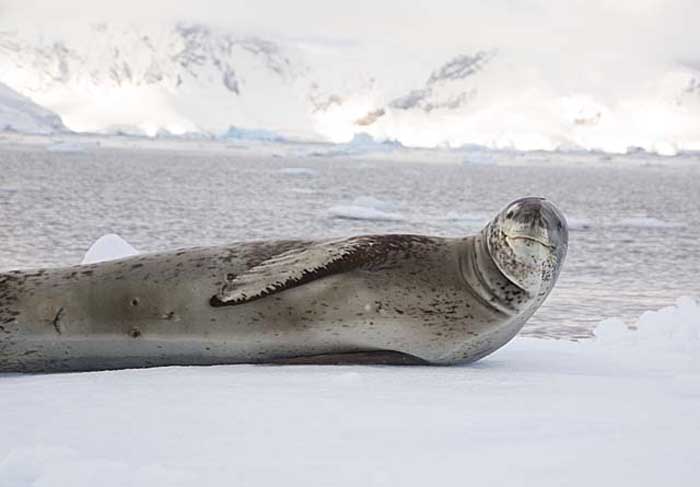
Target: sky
{"x":659,"y":29}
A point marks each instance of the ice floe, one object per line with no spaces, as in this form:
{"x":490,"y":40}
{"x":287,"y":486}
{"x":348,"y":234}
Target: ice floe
{"x":66,"y":147}
{"x":108,"y":247}
{"x":367,"y":208}
{"x":620,"y":409}
{"x":298,"y":171}
{"x":647,"y":222}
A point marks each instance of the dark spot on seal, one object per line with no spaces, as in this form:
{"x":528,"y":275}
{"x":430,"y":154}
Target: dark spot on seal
{"x":135,"y":302}
{"x":56,"y":319}
{"x":134,"y":333}
{"x":136,"y":266}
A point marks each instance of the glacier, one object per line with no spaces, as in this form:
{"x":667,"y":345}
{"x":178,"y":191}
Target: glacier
{"x":20,"y":114}
{"x":179,"y":79}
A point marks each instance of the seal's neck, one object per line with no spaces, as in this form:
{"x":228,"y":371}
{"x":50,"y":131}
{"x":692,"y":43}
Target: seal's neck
{"x":487,"y":282}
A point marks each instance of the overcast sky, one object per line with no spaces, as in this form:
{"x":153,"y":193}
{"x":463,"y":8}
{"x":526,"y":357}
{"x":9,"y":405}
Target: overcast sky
{"x":650,"y":28}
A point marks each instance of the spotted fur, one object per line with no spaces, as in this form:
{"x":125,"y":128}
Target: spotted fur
{"x":371,"y":299}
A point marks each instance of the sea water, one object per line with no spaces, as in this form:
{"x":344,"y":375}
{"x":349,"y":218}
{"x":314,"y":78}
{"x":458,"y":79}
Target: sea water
{"x":634,"y":227}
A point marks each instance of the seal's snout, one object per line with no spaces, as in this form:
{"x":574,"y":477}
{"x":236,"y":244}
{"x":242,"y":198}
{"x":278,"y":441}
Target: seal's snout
{"x":537,"y":220}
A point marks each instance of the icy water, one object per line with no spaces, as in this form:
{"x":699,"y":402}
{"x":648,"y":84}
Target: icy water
{"x":635,"y":229}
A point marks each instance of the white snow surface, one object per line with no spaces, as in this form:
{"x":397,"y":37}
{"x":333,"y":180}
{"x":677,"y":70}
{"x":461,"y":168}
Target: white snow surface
{"x":20,"y":114}
{"x":621,"y":409}
{"x":108,"y":247}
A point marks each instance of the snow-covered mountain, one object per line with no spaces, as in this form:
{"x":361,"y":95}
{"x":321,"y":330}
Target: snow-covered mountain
{"x":19,"y":113}
{"x":105,"y":77}
{"x":186,"y":78}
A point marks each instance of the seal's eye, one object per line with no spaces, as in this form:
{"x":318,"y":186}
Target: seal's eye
{"x":509,"y":214}
{"x":558,"y":225}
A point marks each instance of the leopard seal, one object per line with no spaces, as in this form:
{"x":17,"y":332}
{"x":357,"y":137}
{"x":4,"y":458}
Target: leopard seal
{"x":387,"y":299}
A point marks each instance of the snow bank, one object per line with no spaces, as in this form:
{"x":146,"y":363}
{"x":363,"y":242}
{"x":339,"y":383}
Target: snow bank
{"x":621,"y":409}
{"x":666,"y":339}
{"x":108,"y":247}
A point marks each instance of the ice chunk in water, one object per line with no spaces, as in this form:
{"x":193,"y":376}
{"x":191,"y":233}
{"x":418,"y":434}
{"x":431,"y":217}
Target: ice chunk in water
{"x":108,"y":247}
{"x":66,"y":147}
{"x":367,"y":208}
{"x":298,"y":171}
{"x":352,"y":212}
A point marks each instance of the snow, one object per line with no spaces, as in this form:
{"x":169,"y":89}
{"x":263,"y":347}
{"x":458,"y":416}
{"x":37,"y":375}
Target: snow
{"x":186,"y":79}
{"x":671,"y":337}
{"x":148,"y":80}
{"x":621,"y":409}
{"x":108,"y":247}
{"x":20,"y":114}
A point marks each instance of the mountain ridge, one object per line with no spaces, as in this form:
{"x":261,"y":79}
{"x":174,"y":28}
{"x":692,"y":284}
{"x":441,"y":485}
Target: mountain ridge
{"x":186,"y":78}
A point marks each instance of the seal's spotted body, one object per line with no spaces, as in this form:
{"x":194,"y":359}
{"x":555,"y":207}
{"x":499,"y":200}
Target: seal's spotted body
{"x":370,"y":299}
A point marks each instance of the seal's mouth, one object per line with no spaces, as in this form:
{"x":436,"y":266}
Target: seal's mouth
{"x":530,"y":238}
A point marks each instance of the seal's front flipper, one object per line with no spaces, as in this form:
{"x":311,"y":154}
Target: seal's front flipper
{"x":378,"y":357}
{"x":297,"y":267}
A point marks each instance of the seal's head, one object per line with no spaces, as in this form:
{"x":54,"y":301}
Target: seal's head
{"x":528,"y":241}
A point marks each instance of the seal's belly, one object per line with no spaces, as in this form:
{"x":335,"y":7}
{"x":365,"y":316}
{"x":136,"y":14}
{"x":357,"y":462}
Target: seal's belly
{"x":82,"y":320}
